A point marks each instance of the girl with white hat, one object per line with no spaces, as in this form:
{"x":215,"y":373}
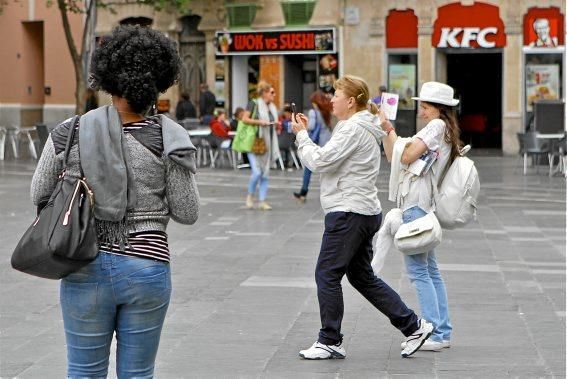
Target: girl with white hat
{"x":440,"y":135}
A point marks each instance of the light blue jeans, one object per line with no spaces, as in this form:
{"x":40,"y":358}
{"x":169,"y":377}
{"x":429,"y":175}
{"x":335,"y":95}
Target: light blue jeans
{"x":257,"y":177}
{"x":114,"y":293}
{"x":430,"y":287}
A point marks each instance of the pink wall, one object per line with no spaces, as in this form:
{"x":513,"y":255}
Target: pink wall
{"x":19,"y":57}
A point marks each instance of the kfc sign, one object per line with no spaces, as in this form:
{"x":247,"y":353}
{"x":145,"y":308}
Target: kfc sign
{"x":462,"y":37}
{"x":475,"y":26}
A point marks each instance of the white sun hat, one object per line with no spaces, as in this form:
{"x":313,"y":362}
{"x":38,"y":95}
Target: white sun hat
{"x":439,"y":93}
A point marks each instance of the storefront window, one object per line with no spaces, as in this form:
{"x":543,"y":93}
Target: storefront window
{"x":543,"y":81}
{"x":402,"y":77}
{"x":401,"y":42}
{"x":544,"y":55}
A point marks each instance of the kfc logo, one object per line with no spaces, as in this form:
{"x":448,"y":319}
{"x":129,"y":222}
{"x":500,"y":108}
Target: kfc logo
{"x":449,"y":37}
{"x":477,"y":26}
{"x":544,"y":27}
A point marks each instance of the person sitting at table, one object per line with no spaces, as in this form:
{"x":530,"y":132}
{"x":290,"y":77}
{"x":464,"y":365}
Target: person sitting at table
{"x":220,"y":126}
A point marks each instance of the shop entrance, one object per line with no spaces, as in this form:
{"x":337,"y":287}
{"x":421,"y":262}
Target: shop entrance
{"x":477,"y":80}
{"x":300,"y":80}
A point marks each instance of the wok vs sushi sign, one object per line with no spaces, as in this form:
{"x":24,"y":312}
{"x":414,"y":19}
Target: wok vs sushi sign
{"x":320,"y":41}
{"x":476,"y":27}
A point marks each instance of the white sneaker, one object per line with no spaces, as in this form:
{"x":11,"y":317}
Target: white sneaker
{"x":430,"y":345}
{"x":264,"y":206}
{"x":414,"y":342}
{"x":249,"y":202}
{"x":444,"y":345}
{"x":321,"y":351}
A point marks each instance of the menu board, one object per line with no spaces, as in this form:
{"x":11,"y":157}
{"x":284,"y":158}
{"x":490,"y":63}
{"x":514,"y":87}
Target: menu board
{"x":542,"y":83}
{"x":328,"y":72}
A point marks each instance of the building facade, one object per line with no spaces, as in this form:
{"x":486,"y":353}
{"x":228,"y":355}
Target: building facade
{"x":37,"y":81}
{"x":499,"y":55}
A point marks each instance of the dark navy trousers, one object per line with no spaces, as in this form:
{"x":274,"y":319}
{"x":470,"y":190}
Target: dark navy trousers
{"x":347,"y":249}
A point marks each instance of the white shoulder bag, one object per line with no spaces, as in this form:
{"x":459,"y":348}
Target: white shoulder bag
{"x":419,"y":236}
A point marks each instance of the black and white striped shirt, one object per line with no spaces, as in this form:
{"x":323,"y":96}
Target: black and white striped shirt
{"x":149,"y":244}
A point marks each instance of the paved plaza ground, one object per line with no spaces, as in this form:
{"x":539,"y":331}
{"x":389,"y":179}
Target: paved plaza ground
{"x":244,"y":299}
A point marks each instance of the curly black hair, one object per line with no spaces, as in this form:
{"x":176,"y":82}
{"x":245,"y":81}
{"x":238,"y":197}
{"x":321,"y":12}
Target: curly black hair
{"x":136,"y":63}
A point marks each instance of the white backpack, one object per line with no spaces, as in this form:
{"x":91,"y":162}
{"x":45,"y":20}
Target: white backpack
{"x":457,"y":194}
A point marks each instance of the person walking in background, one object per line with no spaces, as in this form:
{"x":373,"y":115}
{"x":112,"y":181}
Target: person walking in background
{"x":319,"y":127}
{"x":349,"y":164}
{"x":286,"y":138}
{"x":185,"y":108}
{"x":441,"y":135}
{"x":237,"y":116}
{"x":207,"y":103}
{"x":378,"y":99}
{"x":262,"y":112}
{"x":142,"y":172}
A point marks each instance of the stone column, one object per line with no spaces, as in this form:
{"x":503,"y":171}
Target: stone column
{"x":210,"y":57}
{"x":512,"y":89}
{"x":425,"y":53}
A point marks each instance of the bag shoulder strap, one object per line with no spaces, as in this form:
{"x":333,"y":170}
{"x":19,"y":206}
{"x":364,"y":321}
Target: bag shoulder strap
{"x":69,"y":144}
{"x":255,"y":109}
{"x":70,"y":138}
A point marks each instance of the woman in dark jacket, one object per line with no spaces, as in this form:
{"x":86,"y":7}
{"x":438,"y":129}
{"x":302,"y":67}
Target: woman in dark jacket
{"x":140,"y":181}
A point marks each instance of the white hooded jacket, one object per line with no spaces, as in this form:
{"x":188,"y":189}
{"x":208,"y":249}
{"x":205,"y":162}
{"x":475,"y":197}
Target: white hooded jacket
{"x":349,"y":164}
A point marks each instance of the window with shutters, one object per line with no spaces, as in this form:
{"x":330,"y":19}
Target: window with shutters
{"x":297,"y":12}
{"x":240,"y":15}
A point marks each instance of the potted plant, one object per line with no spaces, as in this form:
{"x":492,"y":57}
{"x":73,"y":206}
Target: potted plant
{"x":224,"y":41}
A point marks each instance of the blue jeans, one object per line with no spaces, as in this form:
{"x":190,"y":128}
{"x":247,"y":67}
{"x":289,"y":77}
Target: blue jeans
{"x":257,"y":177}
{"x":306,"y":180}
{"x":430,"y":287}
{"x":347,"y":249}
{"x":115,"y":293}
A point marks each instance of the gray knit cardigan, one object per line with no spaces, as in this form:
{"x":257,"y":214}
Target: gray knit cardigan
{"x":164,"y":189}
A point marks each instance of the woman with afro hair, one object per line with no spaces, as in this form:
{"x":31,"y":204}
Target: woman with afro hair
{"x":142,"y":172}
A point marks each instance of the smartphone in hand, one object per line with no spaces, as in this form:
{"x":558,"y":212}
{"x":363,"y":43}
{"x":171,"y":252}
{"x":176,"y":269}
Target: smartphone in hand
{"x":293,"y":112}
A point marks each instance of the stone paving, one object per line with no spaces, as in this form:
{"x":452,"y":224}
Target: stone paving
{"x":244,"y":299}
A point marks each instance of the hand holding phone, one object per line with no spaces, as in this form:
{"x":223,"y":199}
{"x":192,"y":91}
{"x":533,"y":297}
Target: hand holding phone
{"x":299,"y":124}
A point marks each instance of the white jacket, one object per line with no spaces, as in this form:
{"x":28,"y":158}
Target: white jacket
{"x":385,"y":238}
{"x":349,"y":164}
{"x":400,"y":178}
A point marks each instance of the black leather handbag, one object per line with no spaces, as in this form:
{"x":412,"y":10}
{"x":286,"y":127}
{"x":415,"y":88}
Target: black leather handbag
{"x":62,"y":239}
